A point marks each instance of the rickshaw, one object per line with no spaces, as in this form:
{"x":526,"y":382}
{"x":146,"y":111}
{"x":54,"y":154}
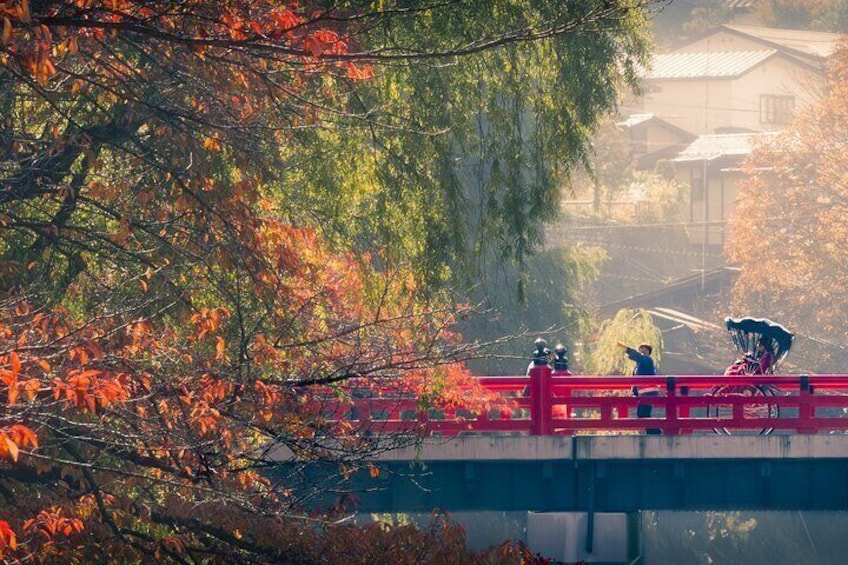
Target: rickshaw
{"x":745,"y":334}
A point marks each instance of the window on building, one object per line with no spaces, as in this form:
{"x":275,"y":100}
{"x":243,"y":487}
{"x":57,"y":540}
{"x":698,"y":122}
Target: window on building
{"x":776,"y":109}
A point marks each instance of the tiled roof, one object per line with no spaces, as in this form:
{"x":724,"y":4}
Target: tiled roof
{"x":711,"y":64}
{"x":711,"y":146}
{"x":634,"y":120}
{"x":814,"y":43}
{"x":740,"y":3}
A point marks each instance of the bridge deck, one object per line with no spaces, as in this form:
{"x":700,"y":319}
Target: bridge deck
{"x":622,"y":447}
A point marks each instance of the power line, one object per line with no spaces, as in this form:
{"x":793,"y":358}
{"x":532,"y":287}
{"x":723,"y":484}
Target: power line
{"x":635,"y":226}
{"x":612,"y":227}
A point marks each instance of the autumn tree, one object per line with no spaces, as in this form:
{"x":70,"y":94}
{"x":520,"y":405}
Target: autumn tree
{"x":822,"y":15}
{"x":706,"y":15}
{"x":789,"y":227}
{"x":214,"y":213}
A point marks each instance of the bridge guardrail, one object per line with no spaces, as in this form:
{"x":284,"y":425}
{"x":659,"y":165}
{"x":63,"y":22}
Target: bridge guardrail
{"x":548,"y":403}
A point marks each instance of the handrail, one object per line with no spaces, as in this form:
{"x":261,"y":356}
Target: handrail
{"x":549,"y":403}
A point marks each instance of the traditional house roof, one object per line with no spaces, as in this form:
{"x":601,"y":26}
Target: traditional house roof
{"x":816,"y":44}
{"x":648,"y":150}
{"x":636,"y":120}
{"x":811,"y":47}
{"x":707,"y":64}
{"x":714,"y":146}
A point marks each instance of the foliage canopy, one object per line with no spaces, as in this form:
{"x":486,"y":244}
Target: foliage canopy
{"x":789,"y":228}
{"x":212,"y":213}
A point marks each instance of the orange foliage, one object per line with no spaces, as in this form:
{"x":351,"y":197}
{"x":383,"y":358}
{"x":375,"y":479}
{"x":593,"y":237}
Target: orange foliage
{"x":789,"y":229}
{"x":50,"y":523}
{"x":176,"y":402}
{"x":148,"y":397}
{"x":8,"y":539}
{"x":34,"y":40}
{"x":167,"y":320}
{"x":15,"y":437}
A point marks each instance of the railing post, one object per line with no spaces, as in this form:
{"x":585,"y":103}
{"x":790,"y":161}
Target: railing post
{"x":805,"y":411}
{"x":363,"y":409}
{"x":482,"y":420}
{"x":685,"y":410}
{"x":423,"y":419}
{"x":540,"y":400}
{"x":672,"y":427}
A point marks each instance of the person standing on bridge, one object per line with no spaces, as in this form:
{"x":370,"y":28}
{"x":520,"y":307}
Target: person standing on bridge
{"x":642,"y":357}
{"x":644,"y":366}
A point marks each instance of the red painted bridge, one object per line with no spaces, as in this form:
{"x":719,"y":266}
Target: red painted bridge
{"x":551,"y":403}
{"x":554,"y":442}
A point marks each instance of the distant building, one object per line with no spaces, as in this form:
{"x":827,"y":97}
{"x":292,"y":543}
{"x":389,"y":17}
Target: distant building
{"x":652,"y":139}
{"x":710,"y":167}
{"x":736,"y":79}
{"x":728,"y":91}
{"x":811,"y":47}
{"x":725,"y":89}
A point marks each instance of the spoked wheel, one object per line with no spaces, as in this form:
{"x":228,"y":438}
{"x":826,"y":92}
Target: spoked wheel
{"x":725,"y":411}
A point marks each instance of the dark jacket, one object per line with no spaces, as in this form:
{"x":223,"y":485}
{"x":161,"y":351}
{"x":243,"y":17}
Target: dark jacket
{"x":644,"y":363}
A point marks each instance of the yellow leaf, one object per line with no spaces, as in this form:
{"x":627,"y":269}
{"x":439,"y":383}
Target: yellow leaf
{"x":212,"y":144}
{"x":31,"y":388}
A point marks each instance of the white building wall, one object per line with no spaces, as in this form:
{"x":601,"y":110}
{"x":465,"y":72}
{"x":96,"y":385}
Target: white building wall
{"x":703,"y":105}
{"x":776,"y":77}
{"x":693,"y":105}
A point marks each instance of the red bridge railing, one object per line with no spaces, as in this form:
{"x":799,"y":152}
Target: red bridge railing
{"x":547,"y":403}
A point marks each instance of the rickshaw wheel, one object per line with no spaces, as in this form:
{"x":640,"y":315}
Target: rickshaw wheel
{"x":719,"y":410}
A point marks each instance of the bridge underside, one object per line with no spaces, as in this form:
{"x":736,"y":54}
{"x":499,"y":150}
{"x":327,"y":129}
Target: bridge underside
{"x":608,"y":486}
{"x":611,"y":474}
